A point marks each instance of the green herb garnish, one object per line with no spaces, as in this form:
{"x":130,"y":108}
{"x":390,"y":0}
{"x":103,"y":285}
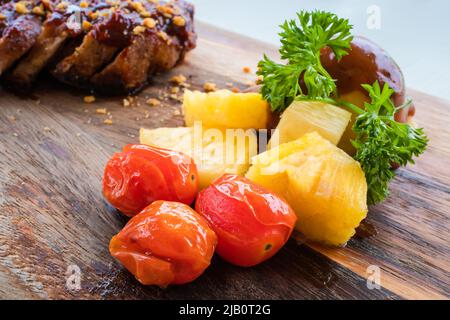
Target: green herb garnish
{"x":301,"y":43}
{"x":380,"y":140}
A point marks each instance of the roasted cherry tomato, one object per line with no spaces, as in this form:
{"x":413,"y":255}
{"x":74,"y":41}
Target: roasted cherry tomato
{"x":167,"y":243}
{"x":251,"y":223}
{"x":141,"y":174}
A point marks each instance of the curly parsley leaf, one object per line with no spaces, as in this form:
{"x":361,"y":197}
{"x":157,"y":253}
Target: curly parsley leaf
{"x":381,"y":141}
{"x":301,"y":43}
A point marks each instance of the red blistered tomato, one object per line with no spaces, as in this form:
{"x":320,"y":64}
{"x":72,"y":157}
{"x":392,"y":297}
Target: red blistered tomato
{"x":141,"y":174}
{"x":167,"y":243}
{"x":251,"y":223}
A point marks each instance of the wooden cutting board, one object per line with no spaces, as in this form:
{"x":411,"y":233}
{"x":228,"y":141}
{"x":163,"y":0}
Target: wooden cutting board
{"x":53,"y":149}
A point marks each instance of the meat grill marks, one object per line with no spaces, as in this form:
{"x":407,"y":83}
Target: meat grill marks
{"x":107,"y":45}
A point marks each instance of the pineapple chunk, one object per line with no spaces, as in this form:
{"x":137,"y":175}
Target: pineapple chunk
{"x":226,"y":110}
{"x":325,"y":186}
{"x":214,"y":151}
{"x":307,"y":116}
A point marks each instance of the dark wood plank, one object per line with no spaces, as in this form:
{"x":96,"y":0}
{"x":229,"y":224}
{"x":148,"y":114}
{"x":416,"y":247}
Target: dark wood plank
{"x":52,"y":154}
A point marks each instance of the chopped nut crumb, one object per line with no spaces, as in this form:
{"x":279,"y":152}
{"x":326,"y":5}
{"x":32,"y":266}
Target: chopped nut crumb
{"x":145,"y":14}
{"x":180,"y":79}
{"x":108,"y":122}
{"x":153,"y":102}
{"x":86,"y":25}
{"x":62,"y":5}
{"x":47,"y":129}
{"x":247,"y":70}
{"x":21,"y":8}
{"x":165,"y":10}
{"x":210,"y":87}
{"x":126,"y":103}
{"x":93,"y":15}
{"x":179,"y":21}
{"x":138,"y":29}
{"x":149,"y":23}
{"x":101,"y":111}
{"x":12,"y":118}
{"x":89,"y":99}
{"x":163,"y":35}
{"x":78,"y":134}
{"x":39,"y":10}
{"x":138,"y":6}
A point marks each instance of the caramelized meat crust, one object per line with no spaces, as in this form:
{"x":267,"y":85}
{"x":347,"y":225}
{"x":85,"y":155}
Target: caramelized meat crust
{"x":108,"y":45}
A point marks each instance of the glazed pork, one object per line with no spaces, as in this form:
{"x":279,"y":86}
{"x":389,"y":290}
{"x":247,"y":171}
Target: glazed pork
{"x":110,"y":46}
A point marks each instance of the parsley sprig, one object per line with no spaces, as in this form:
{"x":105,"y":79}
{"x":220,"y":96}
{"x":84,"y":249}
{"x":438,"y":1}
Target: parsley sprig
{"x":380,"y":140}
{"x":301,"y":43}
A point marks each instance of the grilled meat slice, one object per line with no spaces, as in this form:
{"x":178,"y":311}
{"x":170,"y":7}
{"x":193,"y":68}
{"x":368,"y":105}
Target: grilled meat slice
{"x":123,"y":42}
{"x":89,"y":57}
{"x":19,"y":30}
{"x":151,"y":50}
{"x":47,"y":45}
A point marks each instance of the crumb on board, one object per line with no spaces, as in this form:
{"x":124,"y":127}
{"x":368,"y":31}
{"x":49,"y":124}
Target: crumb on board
{"x":108,"y":121}
{"x":153,"y":102}
{"x":179,"y":79}
{"x":89,"y":99}
{"x":101,"y":111}
{"x":47,"y":129}
{"x":210,"y":87}
{"x":127,"y":102}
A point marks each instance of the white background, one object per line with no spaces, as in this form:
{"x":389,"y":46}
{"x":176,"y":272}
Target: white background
{"x":415,"y":32}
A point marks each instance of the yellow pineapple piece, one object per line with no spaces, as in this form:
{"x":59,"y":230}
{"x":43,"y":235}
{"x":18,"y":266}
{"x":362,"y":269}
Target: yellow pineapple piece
{"x":214,"y":151}
{"x":308,"y":116}
{"x":224,"y":109}
{"x":325,"y":186}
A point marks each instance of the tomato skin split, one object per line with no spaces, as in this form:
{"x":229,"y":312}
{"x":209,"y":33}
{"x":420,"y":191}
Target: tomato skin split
{"x":252,"y":223}
{"x":140,"y":175}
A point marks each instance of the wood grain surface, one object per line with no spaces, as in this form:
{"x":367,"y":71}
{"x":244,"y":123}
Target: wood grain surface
{"x":53,"y":148}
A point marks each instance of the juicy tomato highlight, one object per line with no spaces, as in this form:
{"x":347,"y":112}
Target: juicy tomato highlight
{"x":167,"y":243}
{"x":252,"y":223}
{"x":140,"y":175}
